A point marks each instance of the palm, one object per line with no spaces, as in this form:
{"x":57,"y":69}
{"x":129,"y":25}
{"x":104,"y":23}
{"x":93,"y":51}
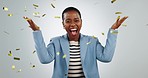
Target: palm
{"x":33,"y":26}
{"x":119,"y":22}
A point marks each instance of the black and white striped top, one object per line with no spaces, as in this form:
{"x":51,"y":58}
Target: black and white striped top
{"x":75,"y":66}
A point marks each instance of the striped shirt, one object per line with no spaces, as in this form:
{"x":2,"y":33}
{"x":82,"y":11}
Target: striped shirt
{"x":75,"y":66}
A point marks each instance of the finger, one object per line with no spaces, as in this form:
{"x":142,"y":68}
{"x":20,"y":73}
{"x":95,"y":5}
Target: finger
{"x":117,"y":21}
{"x":26,"y":18}
{"x":122,"y":20}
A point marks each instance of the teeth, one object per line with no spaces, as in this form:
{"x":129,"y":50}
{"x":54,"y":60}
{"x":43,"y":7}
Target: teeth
{"x":73,"y":29}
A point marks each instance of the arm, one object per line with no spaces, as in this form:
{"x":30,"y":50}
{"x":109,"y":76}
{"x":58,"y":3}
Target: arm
{"x":105,"y":54}
{"x":45,"y":54}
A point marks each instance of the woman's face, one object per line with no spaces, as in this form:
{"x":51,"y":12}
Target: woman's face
{"x":72,"y":23}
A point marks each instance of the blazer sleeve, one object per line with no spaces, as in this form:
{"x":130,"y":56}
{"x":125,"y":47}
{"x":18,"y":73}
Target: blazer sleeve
{"x":105,"y":54}
{"x":45,"y":54}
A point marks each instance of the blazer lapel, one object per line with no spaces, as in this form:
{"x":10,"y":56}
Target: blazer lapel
{"x":83,"y":47}
{"x":65,"y":48}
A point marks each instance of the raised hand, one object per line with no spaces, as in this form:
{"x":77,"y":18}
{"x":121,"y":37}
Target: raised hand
{"x":33,"y":26}
{"x":119,"y":22}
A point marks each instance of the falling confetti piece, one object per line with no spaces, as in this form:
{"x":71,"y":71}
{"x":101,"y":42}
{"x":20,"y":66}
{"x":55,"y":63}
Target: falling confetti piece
{"x":35,"y":6}
{"x":16,"y":58}
{"x":102,"y":33}
{"x":10,"y":15}
{"x":113,"y":1}
{"x":64,"y":56}
{"x":36,"y":13}
{"x":33,"y":51}
{"x":13,"y":67}
{"x":124,"y":25}
{"x":113,"y":32}
{"x":58,"y":53}
{"x":118,"y":13}
{"x":52,"y":5}
{"x":118,"y":17}
{"x":32,"y":66}
{"x":94,"y":37}
{"x":10,"y":54}
{"x":43,"y":15}
{"x":6,"y":32}
{"x":5,"y":9}
{"x":19,"y":70}
{"x":26,"y":18}
{"x":88,"y":43}
{"x":57,"y":17}
{"x":18,"y":49}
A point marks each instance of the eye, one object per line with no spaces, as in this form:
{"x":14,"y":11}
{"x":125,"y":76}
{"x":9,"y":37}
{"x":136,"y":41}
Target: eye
{"x":67,"y":21}
{"x":77,"y":20}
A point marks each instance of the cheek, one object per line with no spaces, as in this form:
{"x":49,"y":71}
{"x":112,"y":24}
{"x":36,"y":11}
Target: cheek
{"x":66,"y":28}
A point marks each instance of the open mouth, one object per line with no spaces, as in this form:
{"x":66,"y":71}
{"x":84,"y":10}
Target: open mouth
{"x":73,"y":31}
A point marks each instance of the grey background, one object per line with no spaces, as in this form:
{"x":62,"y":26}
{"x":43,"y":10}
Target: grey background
{"x":129,"y":61}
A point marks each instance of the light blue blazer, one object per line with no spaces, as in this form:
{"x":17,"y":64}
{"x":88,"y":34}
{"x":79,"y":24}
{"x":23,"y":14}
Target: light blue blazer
{"x":91,"y":50}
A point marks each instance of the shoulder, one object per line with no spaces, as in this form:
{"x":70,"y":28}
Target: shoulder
{"x":55,"y":39}
{"x":89,"y":37}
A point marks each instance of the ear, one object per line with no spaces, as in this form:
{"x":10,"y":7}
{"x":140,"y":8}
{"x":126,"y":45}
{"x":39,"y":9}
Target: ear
{"x":63,"y":25}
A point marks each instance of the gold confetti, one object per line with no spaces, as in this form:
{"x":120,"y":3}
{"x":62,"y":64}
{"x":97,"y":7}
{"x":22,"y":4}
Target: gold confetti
{"x":58,"y":53}
{"x":88,"y":43}
{"x":16,"y":58}
{"x":10,"y":15}
{"x":118,"y":17}
{"x":94,"y":37}
{"x":57,"y":17}
{"x":10,"y":54}
{"x":33,"y":51}
{"x":5,"y":9}
{"x":113,"y":32}
{"x":33,"y":66}
{"x":13,"y":67}
{"x":36,"y":13}
{"x":19,"y":70}
{"x":118,"y":13}
{"x":113,"y":1}
{"x":52,"y":5}
{"x":64,"y":56}
{"x":26,"y":18}
{"x":35,"y":6}
{"x":124,"y":25}
{"x":18,"y":49}
{"x":102,"y":33}
{"x":43,"y":15}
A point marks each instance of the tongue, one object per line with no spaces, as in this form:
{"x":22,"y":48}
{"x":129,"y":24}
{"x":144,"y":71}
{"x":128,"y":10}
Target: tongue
{"x":74,"y":33}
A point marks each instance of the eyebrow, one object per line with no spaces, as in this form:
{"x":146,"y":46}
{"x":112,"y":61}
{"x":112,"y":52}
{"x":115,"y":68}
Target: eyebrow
{"x":70,"y":19}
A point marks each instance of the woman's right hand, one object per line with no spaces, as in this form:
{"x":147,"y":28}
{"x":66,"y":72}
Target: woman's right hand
{"x":33,"y":26}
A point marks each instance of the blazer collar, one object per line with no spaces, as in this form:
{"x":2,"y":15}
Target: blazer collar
{"x":65,"y":47}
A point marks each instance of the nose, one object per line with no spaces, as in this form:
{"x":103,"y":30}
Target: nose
{"x":73,"y":24}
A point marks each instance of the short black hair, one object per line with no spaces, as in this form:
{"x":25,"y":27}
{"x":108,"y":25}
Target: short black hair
{"x":70,"y":9}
